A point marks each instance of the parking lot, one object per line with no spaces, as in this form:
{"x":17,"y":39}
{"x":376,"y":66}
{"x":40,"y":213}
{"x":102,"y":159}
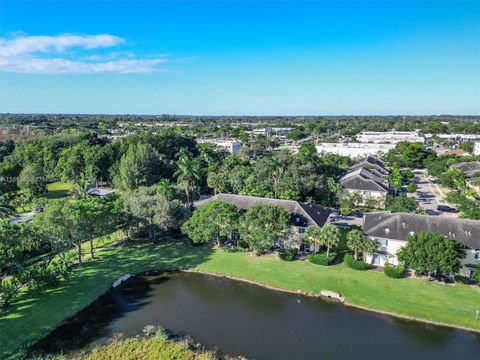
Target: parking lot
{"x":429,"y":195}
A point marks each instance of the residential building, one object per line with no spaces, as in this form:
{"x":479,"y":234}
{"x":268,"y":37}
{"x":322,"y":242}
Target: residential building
{"x":389,"y":137}
{"x":375,"y":165}
{"x":391,"y":230}
{"x":353,"y":150}
{"x":366,"y":184}
{"x":269,"y":131}
{"x":476,"y":148}
{"x":231,"y":146}
{"x":302,"y":214}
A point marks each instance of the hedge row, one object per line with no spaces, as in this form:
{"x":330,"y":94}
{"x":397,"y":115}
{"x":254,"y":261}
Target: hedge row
{"x":322,"y":259}
{"x":393,"y":271}
{"x":354,"y":264}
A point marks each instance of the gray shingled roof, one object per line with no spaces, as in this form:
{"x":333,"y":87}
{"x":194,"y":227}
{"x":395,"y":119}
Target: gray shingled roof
{"x":398,"y":226}
{"x":375,"y":163}
{"x":307,"y":214}
{"x":469,"y":168}
{"x":363,"y":179}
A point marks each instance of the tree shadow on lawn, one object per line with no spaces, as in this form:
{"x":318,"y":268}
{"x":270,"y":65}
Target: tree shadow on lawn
{"x":34,"y":316}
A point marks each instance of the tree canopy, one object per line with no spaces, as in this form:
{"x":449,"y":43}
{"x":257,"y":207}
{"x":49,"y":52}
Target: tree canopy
{"x":430,"y":252}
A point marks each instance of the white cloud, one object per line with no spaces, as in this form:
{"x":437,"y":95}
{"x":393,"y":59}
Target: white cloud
{"x":22,"y":45}
{"x":45,"y":55}
{"x":65,"y":66}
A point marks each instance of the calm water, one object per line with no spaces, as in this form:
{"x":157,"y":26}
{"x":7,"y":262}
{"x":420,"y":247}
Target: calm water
{"x":242,"y":319}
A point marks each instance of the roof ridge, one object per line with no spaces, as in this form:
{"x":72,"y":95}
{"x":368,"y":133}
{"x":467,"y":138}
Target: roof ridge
{"x":387,"y":220}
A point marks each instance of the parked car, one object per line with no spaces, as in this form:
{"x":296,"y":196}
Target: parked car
{"x":446,"y":208}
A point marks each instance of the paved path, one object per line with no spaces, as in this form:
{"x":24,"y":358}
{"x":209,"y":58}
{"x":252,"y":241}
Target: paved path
{"x":429,"y":195}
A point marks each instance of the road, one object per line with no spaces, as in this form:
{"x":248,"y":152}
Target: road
{"x":429,"y":195}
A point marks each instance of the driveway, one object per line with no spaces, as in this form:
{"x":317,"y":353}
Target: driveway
{"x":429,"y":195}
{"x":25,"y":217}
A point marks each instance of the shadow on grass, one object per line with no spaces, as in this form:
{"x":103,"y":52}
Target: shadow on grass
{"x":33,"y":317}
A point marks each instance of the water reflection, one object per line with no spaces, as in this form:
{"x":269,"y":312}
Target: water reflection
{"x":242,"y":319}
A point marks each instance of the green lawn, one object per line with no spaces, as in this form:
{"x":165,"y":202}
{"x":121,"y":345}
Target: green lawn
{"x":34,"y":316}
{"x":58,"y":189}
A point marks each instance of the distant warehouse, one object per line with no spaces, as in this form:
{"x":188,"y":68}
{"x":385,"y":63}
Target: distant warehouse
{"x":389,"y":137}
{"x":353,"y":149}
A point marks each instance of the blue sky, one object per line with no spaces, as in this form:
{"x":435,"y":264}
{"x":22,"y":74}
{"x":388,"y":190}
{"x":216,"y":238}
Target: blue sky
{"x":240,"y":57}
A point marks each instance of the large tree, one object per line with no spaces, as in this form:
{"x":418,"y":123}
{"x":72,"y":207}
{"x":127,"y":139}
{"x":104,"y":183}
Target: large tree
{"x":145,"y":210}
{"x":431,"y":252}
{"x":412,"y":155}
{"x":188,"y":175}
{"x":395,"y":178}
{"x":261,"y":226}
{"x":359,"y":243}
{"x":139,"y":166}
{"x":32,"y":179}
{"x":212,"y":221}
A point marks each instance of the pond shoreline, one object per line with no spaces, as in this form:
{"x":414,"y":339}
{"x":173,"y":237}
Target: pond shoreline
{"x":250,"y":282}
{"x":345,"y":302}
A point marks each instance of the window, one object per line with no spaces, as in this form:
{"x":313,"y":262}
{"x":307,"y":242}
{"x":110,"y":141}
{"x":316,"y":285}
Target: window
{"x":301,"y":230}
{"x":477,"y":254}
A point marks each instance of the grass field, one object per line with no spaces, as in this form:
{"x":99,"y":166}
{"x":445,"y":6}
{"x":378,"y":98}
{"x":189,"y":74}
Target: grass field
{"x":58,"y":189}
{"x":35,"y":316}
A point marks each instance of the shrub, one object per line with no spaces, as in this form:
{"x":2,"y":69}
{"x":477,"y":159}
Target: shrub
{"x":412,"y":187}
{"x":322,"y":259}
{"x":393,"y":271}
{"x":287,"y":255}
{"x":461,"y":279}
{"x":345,"y":212}
{"x":354,"y":264}
{"x":242,"y":244}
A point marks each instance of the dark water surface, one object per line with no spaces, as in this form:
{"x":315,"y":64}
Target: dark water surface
{"x":243,"y":319}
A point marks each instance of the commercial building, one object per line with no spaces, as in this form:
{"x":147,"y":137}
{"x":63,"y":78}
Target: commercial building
{"x":389,"y":137}
{"x":353,"y":150}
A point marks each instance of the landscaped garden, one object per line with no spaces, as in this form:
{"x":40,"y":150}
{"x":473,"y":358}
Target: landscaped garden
{"x":34,"y":316}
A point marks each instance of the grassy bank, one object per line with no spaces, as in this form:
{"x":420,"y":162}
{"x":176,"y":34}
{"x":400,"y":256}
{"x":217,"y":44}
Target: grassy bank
{"x":152,"y":347}
{"x":34,"y":316}
{"x":58,"y":189}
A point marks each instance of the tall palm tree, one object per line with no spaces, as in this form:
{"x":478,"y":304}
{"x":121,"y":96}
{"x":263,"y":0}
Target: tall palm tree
{"x":166,"y":188}
{"x":357,"y":242}
{"x":188,"y":174}
{"x":330,"y":237}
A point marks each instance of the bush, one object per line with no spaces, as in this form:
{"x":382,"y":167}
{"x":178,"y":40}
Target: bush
{"x":393,"y":271}
{"x":461,"y":279}
{"x":242,"y":244}
{"x":412,"y":187}
{"x":354,"y":264}
{"x":287,"y":255}
{"x":345,"y":212}
{"x":322,"y":259}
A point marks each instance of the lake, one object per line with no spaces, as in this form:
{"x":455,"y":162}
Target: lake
{"x":243,"y":319}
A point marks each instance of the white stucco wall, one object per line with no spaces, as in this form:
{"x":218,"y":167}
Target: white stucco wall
{"x":393,"y":246}
{"x":379,"y":196}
